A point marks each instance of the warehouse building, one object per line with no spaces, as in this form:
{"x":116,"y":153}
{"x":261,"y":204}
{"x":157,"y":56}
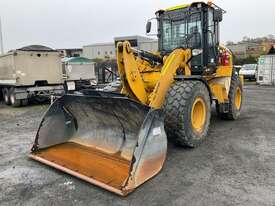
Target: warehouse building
{"x":99,"y":51}
{"x":75,"y":52}
{"x":107,"y":50}
{"x":140,"y":42}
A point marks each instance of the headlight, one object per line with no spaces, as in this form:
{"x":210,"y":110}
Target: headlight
{"x":70,"y":86}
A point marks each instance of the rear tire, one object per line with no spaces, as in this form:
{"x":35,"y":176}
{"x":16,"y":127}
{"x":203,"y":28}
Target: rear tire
{"x":6,"y":96}
{"x":187,"y":113}
{"x":14,"y":102}
{"x":235,"y":100}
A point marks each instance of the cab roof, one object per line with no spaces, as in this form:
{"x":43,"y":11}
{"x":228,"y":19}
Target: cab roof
{"x":186,"y":5}
{"x":178,"y":7}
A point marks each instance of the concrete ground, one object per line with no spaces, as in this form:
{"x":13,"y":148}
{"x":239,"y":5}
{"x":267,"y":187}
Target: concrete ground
{"x":235,"y":166}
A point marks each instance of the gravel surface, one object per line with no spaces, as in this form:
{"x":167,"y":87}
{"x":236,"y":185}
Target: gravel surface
{"x":235,"y":166}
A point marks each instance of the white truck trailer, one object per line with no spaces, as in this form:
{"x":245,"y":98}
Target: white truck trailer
{"x":78,"y":73}
{"x":30,"y":72}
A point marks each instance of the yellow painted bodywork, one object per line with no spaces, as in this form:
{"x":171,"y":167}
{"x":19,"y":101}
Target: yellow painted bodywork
{"x":225,"y":71}
{"x":219,"y":92}
{"x":130,"y":74}
{"x":219,"y":83}
{"x":178,"y":7}
{"x":146,"y":84}
{"x":149,"y":84}
{"x":177,"y":59}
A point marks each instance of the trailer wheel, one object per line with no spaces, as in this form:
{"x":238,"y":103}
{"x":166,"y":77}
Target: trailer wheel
{"x":6,"y":96}
{"x":14,"y":102}
{"x":187,"y":113}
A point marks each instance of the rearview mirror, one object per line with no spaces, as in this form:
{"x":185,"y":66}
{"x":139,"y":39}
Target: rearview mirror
{"x":152,"y":27}
{"x":148,"y":27}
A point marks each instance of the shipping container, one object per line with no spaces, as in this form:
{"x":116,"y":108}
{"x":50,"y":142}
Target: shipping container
{"x":266,"y":70}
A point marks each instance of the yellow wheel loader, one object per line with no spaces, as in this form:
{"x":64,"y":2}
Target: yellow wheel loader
{"x":119,"y":141}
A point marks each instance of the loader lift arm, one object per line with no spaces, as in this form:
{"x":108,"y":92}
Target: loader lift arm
{"x":132,"y":79}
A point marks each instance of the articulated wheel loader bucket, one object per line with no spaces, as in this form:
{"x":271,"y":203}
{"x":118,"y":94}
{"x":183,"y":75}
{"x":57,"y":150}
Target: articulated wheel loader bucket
{"x":112,"y":142}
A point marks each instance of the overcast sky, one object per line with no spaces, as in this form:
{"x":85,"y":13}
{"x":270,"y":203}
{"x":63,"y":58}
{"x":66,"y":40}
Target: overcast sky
{"x":74,"y":23}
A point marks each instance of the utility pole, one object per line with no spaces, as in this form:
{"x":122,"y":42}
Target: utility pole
{"x":1,"y":38}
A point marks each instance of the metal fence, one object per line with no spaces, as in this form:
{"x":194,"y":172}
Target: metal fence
{"x":106,"y":71}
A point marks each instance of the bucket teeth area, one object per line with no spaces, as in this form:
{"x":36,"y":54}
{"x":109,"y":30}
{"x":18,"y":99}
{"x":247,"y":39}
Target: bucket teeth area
{"x":109,"y":169}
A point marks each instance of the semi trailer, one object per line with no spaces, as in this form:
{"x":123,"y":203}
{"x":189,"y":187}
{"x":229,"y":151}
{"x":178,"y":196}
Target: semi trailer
{"x":78,"y":73}
{"x":30,"y":72}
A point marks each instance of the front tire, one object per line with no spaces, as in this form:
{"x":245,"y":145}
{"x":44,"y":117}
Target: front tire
{"x":187,"y":113}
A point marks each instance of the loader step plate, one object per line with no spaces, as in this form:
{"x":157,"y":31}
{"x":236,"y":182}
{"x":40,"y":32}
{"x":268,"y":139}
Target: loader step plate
{"x":110,"y":170}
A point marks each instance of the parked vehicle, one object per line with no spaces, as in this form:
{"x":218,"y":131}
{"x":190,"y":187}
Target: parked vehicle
{"x":249,"y":71}
{"x":30,"y":72}
{"x":78,"y":73}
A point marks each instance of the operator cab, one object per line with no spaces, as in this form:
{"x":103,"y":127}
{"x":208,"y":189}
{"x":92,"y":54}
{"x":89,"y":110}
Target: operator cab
{"x":194,"y":26}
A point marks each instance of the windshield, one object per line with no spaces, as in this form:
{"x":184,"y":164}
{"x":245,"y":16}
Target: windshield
{"x":186,"y":33}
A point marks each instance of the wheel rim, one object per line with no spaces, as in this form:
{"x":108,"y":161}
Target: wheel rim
{"x":238,"y":98}
{"x":198,"y":115}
